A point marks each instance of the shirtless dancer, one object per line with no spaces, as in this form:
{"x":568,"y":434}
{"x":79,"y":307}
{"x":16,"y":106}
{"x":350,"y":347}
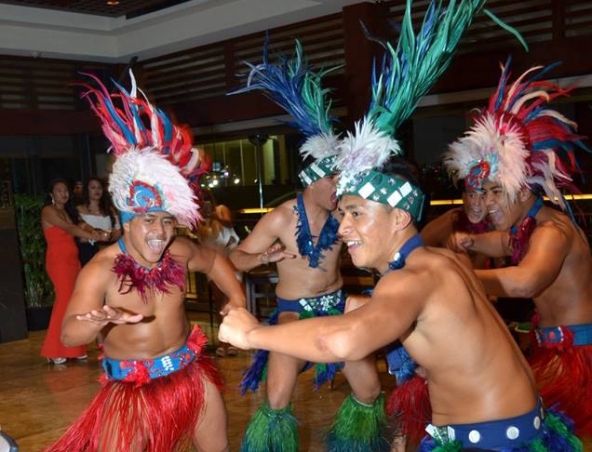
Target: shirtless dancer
{"x":160,"y":390}
{"x":481,"y":389}
{"x":300,"y":237}
{"x":515,"y":152}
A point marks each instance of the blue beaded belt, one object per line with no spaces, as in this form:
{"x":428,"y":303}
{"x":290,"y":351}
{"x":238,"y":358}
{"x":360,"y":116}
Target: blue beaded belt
{"x":510,"y":432}
{"x":582,"y":334}
{"x":319,"y":305}
{"x":155,"y":367}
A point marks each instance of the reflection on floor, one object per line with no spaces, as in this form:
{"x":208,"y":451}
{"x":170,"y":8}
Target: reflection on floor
{"x":38,"y":401}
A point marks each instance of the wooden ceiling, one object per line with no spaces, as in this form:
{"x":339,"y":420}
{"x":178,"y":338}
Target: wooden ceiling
{"x":106,"y":8}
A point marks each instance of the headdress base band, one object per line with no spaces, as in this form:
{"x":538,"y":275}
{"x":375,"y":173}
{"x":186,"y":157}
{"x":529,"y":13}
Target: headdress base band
{"x":379,"y":187}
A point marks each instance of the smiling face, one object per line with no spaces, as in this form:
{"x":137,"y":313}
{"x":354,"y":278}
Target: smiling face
{"x":147,"y":236}
{"x":503,"y":213}
{"x":474,"y":205}
{"x":366,"y":228}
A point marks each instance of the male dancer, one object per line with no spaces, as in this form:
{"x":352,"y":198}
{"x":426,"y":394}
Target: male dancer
{"x":515,"y":152}
{"x":300,"y":237}
{"x":435,"y":305}
{"x":470,"y":217}
{"x":160,"y":391}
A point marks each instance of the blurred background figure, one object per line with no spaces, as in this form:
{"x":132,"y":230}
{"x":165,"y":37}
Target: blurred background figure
{"x":97,"y":211}
{"x":471,"y":217}
{"x":77,"y":193}
{"x":59,"y":221}
{"x":217,"y":232}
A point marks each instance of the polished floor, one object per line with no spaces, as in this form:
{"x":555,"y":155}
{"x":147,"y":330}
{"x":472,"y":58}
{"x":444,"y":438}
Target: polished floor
{"x":38,"y":400}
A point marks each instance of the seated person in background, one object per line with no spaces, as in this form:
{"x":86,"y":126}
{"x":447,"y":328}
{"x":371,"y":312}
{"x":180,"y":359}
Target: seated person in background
{"x":98,"y":212}
{"x":517,"y":150}
{"x":436,"y":306}
{"x":216,"y":232}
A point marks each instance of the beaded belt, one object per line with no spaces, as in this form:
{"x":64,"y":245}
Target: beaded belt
{"x":510,"y":432}
{"x":318,"y":305}
{"x":582,"y":335}
{"x":154,"y":368}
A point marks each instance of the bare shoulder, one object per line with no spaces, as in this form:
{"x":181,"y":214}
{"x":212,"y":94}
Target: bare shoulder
{"x":555,"y":227}
{"x":47,"y":211}
{"x":423,"y":269}
{"x":285,"y":209}
{"x":436,"y":266}
{"x":279,"y":218}
{"x":182,"y":249}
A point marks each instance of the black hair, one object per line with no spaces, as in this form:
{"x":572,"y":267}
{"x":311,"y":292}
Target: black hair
{"x":69,"y":206}
{"x":105,"y":203}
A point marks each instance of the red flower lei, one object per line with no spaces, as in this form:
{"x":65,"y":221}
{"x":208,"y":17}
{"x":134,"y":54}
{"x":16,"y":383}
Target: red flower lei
{"x":134,"y":276}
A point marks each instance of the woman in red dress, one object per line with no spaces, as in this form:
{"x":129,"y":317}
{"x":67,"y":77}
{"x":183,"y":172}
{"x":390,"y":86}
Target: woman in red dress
{"x":62,"y":266}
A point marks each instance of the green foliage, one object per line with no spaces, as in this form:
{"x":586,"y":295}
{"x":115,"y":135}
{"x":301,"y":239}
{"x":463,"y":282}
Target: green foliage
{"x":38,"y":287}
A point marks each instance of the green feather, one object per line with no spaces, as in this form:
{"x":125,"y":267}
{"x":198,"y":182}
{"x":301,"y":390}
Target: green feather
{"x":412,"y":67}
{"x":358,"y":427}
{"x":271,"y":430}
{"x":506,"y":27}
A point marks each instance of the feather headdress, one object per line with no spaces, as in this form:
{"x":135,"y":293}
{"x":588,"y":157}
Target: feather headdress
{"x":407,"y":73}
{"x":517,"y":141}
{"x":293,"y":85}
{"x":155,"y":163}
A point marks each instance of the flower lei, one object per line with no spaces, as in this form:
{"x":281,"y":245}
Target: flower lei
{"x":327,"y":237}
{"x":134,"y":276}
{"x":520,"y":235}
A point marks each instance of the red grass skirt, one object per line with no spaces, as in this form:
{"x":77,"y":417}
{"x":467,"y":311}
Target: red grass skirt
{"x":563,"y":373}
{"x":159,"y":415}
{"x":409,"y":404}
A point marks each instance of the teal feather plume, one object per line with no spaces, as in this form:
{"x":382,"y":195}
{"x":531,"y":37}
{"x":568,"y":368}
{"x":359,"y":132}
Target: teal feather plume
{"x":410,"y":69}
{"x":295,"y":86}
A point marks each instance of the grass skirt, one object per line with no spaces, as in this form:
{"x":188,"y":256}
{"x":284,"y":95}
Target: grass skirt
{"x":564,"y":376}
{"x":157,"y":415}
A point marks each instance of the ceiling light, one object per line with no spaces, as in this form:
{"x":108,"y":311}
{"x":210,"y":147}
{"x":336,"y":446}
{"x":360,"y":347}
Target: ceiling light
{"x":112,"y":2}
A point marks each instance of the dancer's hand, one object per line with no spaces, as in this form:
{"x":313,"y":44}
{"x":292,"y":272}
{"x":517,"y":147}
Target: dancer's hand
{"x":275,"y":253}
{"x":460,"y":242}
{"x":109,"y":314}
{"x":236,"y":326}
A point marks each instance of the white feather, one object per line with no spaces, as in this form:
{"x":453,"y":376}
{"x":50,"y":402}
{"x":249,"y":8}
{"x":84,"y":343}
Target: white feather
{"x":320,"y":146}
{"x":149,"y":166}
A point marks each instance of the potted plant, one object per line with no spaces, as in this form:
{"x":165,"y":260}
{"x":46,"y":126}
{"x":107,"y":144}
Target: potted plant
{"x":38,"y":289}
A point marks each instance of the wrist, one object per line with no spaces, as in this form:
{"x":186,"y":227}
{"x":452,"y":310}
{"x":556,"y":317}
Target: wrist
{"x":250,"y":339}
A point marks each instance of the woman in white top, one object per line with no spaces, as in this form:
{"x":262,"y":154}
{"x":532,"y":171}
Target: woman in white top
{"x":97,"y":212}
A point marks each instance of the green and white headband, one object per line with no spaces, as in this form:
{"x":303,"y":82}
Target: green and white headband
{"x":385,"y":189}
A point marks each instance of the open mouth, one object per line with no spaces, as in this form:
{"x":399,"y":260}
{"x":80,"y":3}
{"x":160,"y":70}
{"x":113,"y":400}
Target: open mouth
{"x":156,"y":246}
{"x":496,"y":216}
